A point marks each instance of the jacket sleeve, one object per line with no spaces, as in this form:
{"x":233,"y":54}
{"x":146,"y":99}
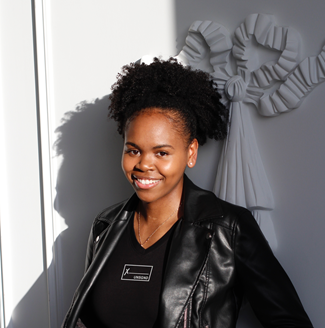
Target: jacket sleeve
{"x":266,"y":285}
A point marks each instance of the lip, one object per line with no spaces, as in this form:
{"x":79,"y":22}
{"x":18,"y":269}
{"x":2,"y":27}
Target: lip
{"x":145,"y":182}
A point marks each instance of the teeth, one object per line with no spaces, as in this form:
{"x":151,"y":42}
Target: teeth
{"x":146,"y":182}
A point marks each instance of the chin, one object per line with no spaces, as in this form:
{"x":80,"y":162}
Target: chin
{"x":146,"y":196}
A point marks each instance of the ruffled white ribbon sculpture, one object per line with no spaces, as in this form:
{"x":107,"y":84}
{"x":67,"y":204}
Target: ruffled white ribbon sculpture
{"x":241,"y":178}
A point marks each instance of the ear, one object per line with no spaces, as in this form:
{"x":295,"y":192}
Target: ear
{"x":192,"y":153}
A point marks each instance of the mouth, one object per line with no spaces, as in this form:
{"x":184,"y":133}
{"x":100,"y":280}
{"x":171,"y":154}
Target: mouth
{"x":145,"y":183}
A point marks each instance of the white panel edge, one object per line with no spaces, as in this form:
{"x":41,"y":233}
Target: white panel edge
{"x":46,"y":154}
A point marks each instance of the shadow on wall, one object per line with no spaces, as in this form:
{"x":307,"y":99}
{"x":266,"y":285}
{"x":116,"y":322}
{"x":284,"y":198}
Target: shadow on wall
{"x":89,"y":179}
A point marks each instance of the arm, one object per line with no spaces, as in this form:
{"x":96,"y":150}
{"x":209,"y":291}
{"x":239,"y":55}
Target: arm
{"x":266,"y":285}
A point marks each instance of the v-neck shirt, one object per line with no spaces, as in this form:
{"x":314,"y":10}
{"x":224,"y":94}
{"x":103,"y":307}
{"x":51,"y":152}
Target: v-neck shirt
{"x":127,"y":291}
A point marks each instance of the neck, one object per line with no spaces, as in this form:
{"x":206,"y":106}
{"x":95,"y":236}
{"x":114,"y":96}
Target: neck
{"x":158,"y":211}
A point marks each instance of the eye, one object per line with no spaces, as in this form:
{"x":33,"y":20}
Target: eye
{"x":162,"y":154}
{"x":133,"y":152}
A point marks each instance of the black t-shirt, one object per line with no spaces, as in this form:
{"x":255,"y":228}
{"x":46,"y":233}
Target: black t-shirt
{"x":126,"y":293}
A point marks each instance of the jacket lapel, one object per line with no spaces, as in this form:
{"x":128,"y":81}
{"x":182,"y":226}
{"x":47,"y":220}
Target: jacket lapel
{"x":113,"y":235}
{"x":114,"y":232}
{"x":187,"y":255}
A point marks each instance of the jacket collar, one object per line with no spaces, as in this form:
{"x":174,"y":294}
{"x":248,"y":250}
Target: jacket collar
{"x":200,"y":204}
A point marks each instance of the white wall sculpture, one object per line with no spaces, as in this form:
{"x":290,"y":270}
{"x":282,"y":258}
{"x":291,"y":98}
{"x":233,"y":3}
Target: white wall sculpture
{"x":241,"y":178}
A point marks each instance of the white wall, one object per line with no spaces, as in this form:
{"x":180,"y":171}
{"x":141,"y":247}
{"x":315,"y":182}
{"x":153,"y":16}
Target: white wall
{"x":78,"y":150}
{"x":21,"y":211}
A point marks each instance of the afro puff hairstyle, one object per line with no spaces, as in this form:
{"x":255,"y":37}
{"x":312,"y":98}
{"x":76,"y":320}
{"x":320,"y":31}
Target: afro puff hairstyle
{"x":168,"y":85}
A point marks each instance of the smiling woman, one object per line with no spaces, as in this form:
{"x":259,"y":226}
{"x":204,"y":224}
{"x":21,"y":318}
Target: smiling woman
{"x":154,"y":161}
{"x":174,"y":255}
{"x":155,"y":157}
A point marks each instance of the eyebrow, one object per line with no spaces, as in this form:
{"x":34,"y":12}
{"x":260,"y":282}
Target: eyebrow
{"x":156,"y":147}
{"x":163,"y":146}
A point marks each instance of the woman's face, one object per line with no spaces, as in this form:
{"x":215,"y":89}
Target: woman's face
{"x":155,"y":156}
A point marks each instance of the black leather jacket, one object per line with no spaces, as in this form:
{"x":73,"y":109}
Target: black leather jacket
{"x":217,"y":255}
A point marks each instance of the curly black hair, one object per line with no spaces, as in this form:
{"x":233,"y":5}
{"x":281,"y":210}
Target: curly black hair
{"x":168,"y":85}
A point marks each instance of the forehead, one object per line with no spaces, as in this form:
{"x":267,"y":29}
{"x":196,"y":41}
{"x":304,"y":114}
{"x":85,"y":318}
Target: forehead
{"x":154,"y":127}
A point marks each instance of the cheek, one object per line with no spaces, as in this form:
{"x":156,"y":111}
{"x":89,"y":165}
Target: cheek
{"x":175,"y":167}
{"x":126,"y":163}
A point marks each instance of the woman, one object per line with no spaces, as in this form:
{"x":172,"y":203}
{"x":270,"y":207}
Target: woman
{"x":174,"y":255}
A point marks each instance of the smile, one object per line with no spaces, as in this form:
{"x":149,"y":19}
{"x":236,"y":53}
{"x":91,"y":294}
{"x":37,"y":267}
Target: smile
{"x":145,"y":183}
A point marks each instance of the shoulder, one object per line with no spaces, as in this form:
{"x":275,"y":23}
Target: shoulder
{"x":109,"y":213}
{"x":235,"y":216}
{"x":236,"y":227}
{"x":106,"y":217}
{"x":234,"y":223}
{"x":203,"y":205}
{"x":235,"y":219}
{"x":114,"y":212}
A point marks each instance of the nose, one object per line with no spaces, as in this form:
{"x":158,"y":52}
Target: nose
{"x":145,"y":163}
